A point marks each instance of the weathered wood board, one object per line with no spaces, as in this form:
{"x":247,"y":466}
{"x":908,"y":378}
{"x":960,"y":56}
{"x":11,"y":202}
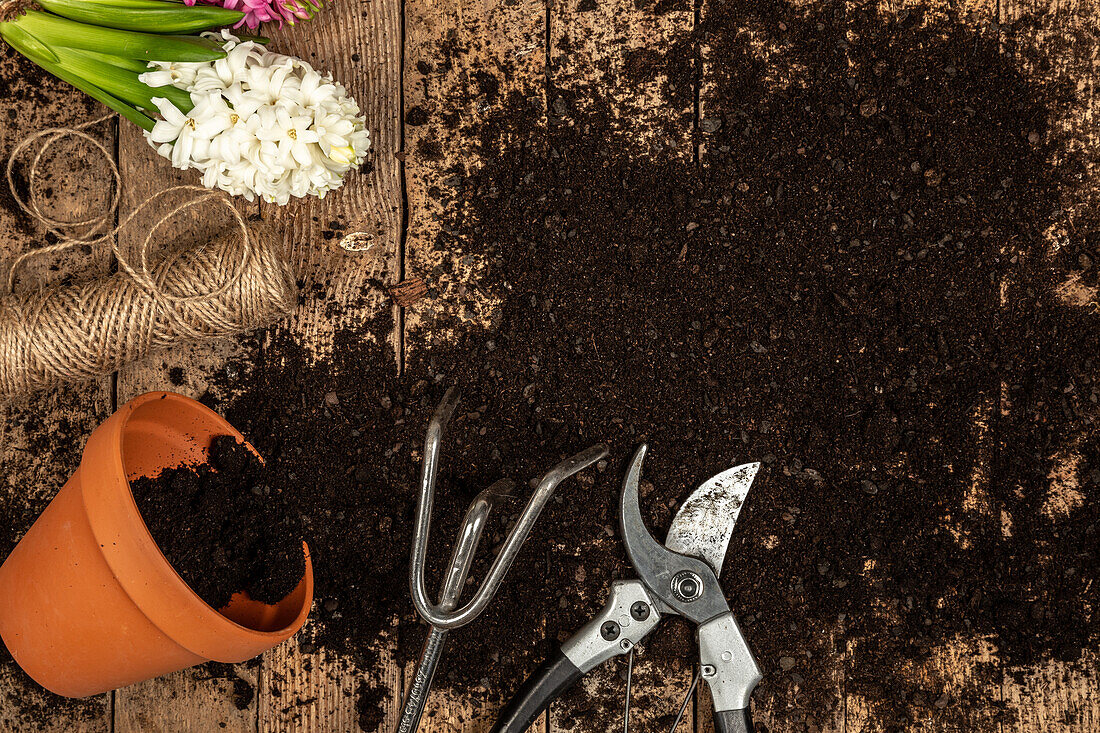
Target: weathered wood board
{"x":426,"y":55}
{"x":1062,"y":696}
{"x":41,"y":437}
{"x":462,"y":61}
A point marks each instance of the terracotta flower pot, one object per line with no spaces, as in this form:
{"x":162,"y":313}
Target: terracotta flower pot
{"x":88,"y":603}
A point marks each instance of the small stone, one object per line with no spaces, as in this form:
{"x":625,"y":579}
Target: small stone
{"x":786,"y":663}
{"x":332,"y":399}
{"x":869,"y":107}
{"x":941,"y":701}
{"x":710,"y":124}
{"x":1033,"y":137}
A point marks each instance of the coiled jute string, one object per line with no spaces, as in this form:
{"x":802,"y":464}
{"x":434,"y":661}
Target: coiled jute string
{"x":237,"y":281}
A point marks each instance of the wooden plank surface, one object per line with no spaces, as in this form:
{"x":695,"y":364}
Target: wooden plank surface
{"x":41,"y":438}
{"x":592,"y":49}
{"x":552,"y":49}
{"x":360,"y":43}
{"x":1062,"y":695}
{"x":191,"y":700}
{"x":463,"y":61}
{"x":291,"y":690}
{"x":780,"y":701}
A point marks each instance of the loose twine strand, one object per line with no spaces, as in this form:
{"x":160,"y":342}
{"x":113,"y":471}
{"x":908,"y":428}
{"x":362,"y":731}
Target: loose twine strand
{"x":80,"y":332}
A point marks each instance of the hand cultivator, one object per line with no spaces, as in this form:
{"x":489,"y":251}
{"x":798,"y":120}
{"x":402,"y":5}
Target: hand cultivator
{"x":445,"y":615}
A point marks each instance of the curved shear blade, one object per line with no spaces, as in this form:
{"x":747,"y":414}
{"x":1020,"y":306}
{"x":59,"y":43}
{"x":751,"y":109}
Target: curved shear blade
{"x":657,"y":565}
{"x":704,"y":522}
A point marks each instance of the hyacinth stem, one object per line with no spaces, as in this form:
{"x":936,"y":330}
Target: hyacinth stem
{"x":16,"y":40}
{"x":150,"y":16}
{"x":102,"y":46}
{"x":55,"y":31}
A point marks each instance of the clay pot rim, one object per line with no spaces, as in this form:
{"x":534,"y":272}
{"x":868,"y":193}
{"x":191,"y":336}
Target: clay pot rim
{"x":215,"y":630}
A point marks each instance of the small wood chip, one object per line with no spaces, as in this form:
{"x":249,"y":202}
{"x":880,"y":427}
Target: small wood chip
{"x":409,"y":291}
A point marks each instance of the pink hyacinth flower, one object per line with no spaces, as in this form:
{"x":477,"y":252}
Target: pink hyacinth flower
{"x":265,"y":11}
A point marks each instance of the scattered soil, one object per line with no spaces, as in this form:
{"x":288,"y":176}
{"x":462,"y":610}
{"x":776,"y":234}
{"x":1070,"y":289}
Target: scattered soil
{"x":850,"y":280}
{"x":223,"y":526}
{"x":242,"y":692}
{"x":844,"y":270}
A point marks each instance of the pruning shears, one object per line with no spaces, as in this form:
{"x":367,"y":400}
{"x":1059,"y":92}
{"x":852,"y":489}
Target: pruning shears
{"x":678,"y":578}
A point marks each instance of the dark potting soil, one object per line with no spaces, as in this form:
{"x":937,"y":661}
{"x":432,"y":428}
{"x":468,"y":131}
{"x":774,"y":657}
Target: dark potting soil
{"x":223,"y":526}
{"x":854,"y":283}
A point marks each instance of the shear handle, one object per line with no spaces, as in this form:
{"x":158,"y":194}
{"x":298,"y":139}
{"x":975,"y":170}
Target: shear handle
{"x":733,"y":721}
{"x":625,"y":620}
{"x":556,"y":675}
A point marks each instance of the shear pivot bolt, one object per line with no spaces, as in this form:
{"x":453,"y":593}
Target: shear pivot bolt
{"x":639,"y":611}
{"x":609,"y":630}
{"x":687,"y":586}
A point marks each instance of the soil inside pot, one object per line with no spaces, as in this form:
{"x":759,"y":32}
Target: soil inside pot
{"x":223,"y":526}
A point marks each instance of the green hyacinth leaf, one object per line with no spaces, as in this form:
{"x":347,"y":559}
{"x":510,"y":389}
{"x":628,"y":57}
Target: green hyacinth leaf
{"x":139,"y":67}
{"x":27,"y":44}
{"x":165,"y":19}
{"x":120,"y":83}
{"x":151,"y":4}
{"x":128,"y":111}
{"x":58,"y":32}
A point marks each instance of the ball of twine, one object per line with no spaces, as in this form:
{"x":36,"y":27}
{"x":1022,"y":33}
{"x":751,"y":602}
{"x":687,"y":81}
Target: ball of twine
{"x":238,"y":281}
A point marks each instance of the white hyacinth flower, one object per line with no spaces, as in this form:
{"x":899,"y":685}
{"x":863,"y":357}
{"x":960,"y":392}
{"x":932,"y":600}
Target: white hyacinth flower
{"x":170,"y":73}
{"x":261,"y":123}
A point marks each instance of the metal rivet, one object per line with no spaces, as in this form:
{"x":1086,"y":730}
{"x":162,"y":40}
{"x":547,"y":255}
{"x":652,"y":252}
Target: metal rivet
{"x":687,"y":586}
{"x":709,"y":670}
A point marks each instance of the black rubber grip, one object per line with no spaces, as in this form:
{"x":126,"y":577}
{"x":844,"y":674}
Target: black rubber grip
{"x":555,"y":676}
{"x":733,"y":721}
